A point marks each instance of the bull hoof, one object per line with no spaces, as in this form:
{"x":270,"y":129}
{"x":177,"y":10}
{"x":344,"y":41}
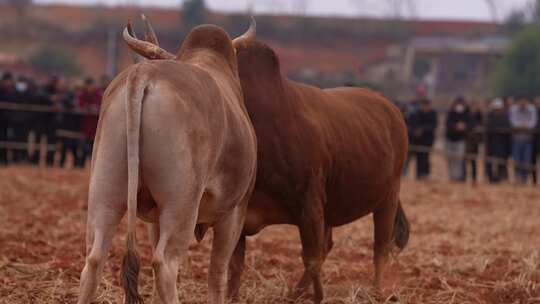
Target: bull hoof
{"x":297,"y":294}
{"x":235,"y":298}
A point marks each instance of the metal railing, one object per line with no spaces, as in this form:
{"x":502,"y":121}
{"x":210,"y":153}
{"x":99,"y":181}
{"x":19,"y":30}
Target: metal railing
{"x":27,"y":107}
{"x":24,"y":107}
{"x":472,"y":156}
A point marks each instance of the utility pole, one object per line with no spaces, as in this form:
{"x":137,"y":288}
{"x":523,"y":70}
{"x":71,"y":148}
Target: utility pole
{"x":112,"y":52}
{"x":395,"y":8}
{"x":400,"y":8}
{"x":250,"y":9}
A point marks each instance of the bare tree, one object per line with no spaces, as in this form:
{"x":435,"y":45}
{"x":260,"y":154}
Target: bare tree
{"x":401,"y":8}
{"x":274,"y":6}
{"x":366,"y":7}
{"x":300,"y":6}
{"x":535,"y":11}
{"x":492,"y":5}
{"x":395,"y":8}
{"x":411,"y":7}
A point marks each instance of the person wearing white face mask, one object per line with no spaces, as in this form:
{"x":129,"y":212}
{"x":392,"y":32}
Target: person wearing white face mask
{"x":457,"y":125}
{"x":523,"y":119}
{"x":422,"y":125}
{"x":20,"y":120}
{"x":497,"y":125}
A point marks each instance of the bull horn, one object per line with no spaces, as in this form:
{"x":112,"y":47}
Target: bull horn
{"x":145,"y":49}
{"x":136,"y":57}
{"x":250,"y":34}
{"x":150,"y":34}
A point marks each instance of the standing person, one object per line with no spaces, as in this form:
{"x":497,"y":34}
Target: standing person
{"x":46,"y":124}
{"x":457,"y":126}
{"x":20,"y":120}
{"x":408,"y":110}
{"x":508,"y":101}
{"x":497,"y":130}
{"x":34,"y":96}
{"x":89,"y":100}
{"x":69,"y":126}
{"x":523,"y":119}
{"x":422,"y":125}
{"x":473,"y":140}
{"x":7,"y":94}
{"x":405,"y":111}
{"x":536,"y":141}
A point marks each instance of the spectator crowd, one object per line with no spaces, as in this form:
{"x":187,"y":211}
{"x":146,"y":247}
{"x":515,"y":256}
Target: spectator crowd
{"x":509,"y":128}
{"x":54,"y":112}
{"x":65,"y":118}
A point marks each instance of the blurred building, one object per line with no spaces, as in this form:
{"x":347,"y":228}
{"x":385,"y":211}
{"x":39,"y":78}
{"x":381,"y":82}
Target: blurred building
{"x":389,"y":55}
{"x":452,"y":65}
{"x":15,"y":64}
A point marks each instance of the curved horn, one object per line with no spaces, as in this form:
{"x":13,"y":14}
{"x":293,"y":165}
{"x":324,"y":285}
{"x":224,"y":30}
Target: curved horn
{"x":150,"y":34}
{"x":136,"y":57}
{"x":250,"y":34}
{"x":145,"y":49}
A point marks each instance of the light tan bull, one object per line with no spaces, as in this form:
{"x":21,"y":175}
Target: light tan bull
{"x":175,"y":139}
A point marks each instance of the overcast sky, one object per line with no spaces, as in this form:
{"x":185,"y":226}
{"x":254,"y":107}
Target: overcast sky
{"x":439,"y":9}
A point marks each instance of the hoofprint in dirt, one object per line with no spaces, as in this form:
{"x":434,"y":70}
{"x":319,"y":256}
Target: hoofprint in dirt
{"x":468,"y":245}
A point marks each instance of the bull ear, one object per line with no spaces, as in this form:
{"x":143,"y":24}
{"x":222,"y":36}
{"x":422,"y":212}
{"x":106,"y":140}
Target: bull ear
{"x":144,"y":48}
{"x":249,"y":35}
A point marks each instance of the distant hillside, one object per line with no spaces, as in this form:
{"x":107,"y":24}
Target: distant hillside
{"x":324,"y":45}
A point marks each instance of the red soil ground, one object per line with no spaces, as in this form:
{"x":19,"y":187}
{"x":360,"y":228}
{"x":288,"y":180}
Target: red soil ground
{"x":468,"y":245}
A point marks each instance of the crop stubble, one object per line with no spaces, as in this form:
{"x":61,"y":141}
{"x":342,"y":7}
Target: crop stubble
{"x":468,"y":245}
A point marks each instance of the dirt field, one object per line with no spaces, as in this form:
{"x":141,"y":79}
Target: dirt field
{"x":468,"y":245}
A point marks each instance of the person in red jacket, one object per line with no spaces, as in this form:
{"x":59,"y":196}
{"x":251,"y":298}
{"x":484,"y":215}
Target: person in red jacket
{"x":89,"y":100}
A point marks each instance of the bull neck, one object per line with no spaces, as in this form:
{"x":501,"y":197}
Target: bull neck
{"x":270,"y":101}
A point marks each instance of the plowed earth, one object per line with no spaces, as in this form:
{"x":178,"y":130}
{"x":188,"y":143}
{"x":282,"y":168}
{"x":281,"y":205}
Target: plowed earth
{"x":468,"y":245}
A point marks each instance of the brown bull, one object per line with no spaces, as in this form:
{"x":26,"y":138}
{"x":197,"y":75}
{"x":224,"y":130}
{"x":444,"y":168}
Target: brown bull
{"x":325,"y":159}
{"x":175,"y":139}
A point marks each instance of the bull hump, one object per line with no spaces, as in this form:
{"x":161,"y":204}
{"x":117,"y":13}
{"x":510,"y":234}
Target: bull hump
{"x":208,"y":37}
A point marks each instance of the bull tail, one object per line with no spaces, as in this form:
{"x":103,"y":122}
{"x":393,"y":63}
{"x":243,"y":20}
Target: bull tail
{"x":136,"y":87}
{"x":401,"y":228}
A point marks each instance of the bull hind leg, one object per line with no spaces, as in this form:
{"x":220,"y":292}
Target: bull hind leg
{"x":226,"y":237}
{"x":383,"y":220}
{"x":106,"y":206}
{"x":176,"y":226}
{"x":102,"y":223}
{"x":153,"y":234}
